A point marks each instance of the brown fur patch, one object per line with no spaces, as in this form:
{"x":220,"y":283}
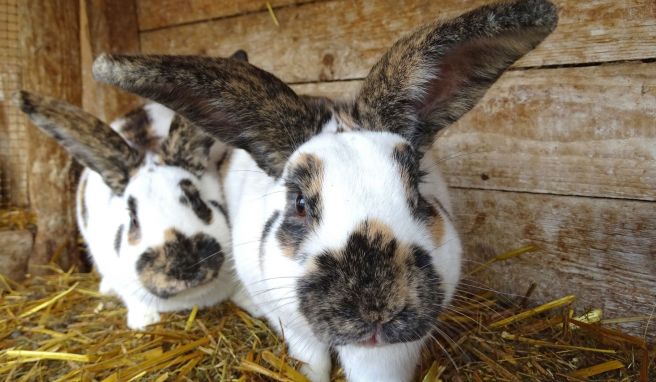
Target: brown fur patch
{"x":223,"y":166}
{"x":181,"y":263}
{"x":373,"y":282}
{"x":137,"y":129}
{"x":186,"y":146}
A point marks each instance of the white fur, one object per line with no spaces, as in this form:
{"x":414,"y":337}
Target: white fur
{"x":368,"y":187}
{"x":156,"y":189}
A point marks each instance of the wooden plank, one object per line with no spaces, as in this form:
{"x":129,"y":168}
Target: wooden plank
{"x":162,"y":13}
{"x":16,"y":250}
{"x":601,"y":250}
{"x":336,"y":40}
{"x":51,"y":48}
{"x":106,"y":26}
{"x":573,"y":131}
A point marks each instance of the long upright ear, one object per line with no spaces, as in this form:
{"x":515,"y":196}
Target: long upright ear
{"x":232,"y":100}
{"x":432,"y":77}
{"x":93,"y":143}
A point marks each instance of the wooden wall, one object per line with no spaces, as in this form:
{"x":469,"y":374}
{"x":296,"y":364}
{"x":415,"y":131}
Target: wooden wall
{"x":560,"y":153}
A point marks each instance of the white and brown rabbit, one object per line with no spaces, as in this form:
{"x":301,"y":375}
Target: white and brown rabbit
{"x":149,"y":205}
{"x":342,"y":228}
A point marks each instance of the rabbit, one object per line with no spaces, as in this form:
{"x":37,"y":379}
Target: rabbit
{"x":149,"y":205}
{"x":342,"y":229}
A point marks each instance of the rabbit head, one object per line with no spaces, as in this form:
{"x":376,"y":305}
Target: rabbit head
{"x":356,"y":217}
{"x":164,"y":217}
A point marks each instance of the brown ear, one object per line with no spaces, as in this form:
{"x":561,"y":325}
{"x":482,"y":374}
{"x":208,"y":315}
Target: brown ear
{"x":240,"y":55}
{"x":93,"y":143}
{"x":231,"y":100}
{"x":186,"y":146}
{"x":432,"y":77}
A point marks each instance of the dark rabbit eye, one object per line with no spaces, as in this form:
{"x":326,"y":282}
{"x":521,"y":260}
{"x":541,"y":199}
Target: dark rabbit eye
{"x":300,"y":204}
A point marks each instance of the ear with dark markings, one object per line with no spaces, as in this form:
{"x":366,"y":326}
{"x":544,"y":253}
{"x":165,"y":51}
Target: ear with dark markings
{"x":187,"y":146}
{"x":231,"y":100}
{"x":93,"y":143}
{"x":432,"y":77}
{"x":240,"y":55}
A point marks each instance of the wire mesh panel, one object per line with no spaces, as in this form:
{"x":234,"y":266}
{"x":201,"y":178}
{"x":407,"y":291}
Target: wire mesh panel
{"x":13,"y":139}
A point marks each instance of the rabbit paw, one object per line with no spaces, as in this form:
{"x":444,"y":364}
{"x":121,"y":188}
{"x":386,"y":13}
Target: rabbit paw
{"x":106,"y":288}
{"x":139,"y":318}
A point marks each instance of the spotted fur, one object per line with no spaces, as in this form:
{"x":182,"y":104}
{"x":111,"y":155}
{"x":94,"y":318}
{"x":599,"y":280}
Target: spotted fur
{"x":181,"y":263}
{"x":373,"y":282}
{"x":380,"y":258}
{"x":193,"y":199}
{"x":136,"y":127}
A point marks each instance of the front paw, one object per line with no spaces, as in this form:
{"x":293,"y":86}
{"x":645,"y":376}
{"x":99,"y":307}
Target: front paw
{"x":106,"y":288}
{"x":317,"y":372}
{"x":139,"y":318}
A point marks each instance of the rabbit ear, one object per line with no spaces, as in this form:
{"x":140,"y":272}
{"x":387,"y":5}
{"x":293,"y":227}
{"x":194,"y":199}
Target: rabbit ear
{"x":432,"y":77}
{"x":231,"y":100}
{"x":240,"y":55}
{"x":186,"y":146}
{"x":93,"y":143}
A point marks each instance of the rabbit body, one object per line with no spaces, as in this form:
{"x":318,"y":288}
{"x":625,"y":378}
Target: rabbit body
{"x":341,"y":225}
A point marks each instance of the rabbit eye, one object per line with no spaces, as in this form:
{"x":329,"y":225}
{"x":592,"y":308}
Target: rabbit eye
{"x":300,"y":205}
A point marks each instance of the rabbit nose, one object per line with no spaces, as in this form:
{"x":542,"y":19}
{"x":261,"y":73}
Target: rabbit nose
{"x":379,"y":314}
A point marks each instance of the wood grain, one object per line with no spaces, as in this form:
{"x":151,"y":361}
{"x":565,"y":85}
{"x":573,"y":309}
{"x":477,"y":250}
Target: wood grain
{"x":51,"y":48}
{"x":162,"y":13}
{"x":601,"y":250}
{"x":107,"y":26}
{"x":342,"y":39}
{"x":586,"y":131}
{"x":16,"y":250}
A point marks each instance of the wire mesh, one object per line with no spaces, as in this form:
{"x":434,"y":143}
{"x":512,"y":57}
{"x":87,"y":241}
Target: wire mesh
{"x":13,"y":137}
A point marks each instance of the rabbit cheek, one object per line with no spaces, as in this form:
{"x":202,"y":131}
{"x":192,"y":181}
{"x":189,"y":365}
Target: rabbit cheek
{"x":407,"y":161}
{"x":181,"y":263}
{"x":372,"y":285}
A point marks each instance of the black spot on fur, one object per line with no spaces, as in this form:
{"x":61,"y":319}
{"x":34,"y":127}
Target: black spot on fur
{"x":117,"y":239}
{"x":265,"y":233}
{"x":223,"y":210}
{"x":373,"y":281}
{"x":182,"y":263}
{"x":134,"y":230}
{"x":192,"y":198}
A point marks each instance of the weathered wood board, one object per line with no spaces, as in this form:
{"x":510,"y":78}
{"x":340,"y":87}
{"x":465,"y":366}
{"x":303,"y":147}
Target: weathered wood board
{"x":161,"y":13}
{"x":601,"y":250}
{"x":16,"y":251}
{"x":587,"y":131}
{"x":334,"y":40}
{"x":106,"y":26}
{"x":51,"y":47}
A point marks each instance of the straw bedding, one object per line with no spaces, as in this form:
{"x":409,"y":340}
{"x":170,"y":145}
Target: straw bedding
{"x":58,"y":328}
